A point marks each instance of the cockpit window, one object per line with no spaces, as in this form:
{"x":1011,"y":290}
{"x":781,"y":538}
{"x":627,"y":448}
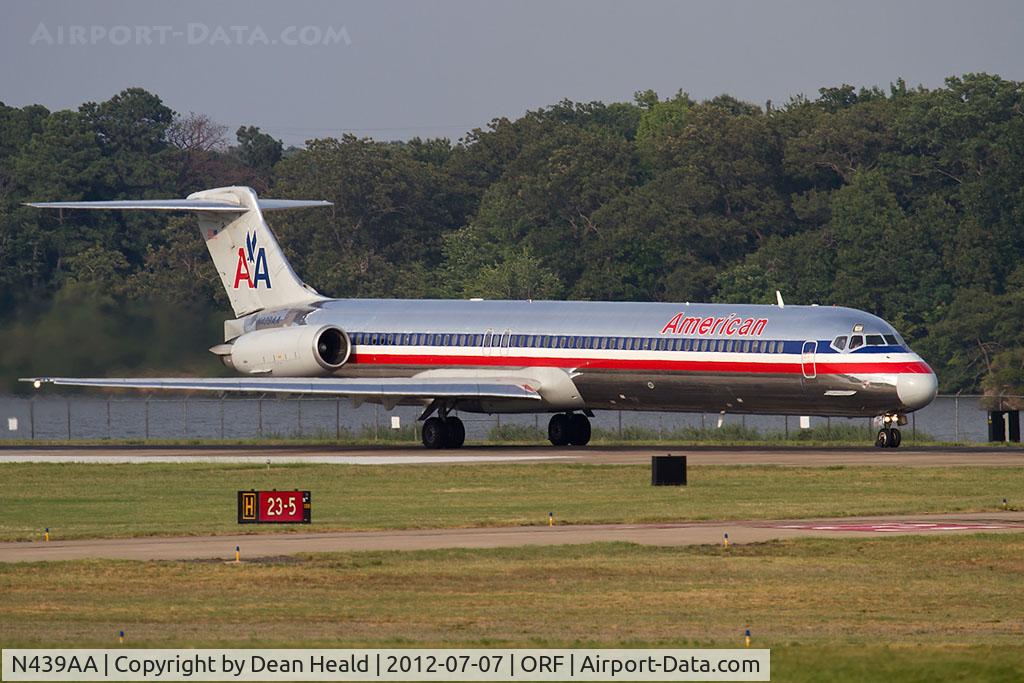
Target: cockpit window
{"x":875,"y":340}
{"x":891,"y":340}
{"x":856,"y":342}
{"x":839,"y":343}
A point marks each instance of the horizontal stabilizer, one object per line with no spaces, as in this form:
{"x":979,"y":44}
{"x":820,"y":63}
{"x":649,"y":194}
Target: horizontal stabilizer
{"x":250,"y":263}
{"x":385,"y":387}
{"x":183,"y":205}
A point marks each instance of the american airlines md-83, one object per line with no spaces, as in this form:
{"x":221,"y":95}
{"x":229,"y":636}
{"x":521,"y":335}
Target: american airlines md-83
{"x":568,"y":358}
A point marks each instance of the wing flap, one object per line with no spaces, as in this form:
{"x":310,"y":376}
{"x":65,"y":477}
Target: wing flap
{"x":382,"y":387}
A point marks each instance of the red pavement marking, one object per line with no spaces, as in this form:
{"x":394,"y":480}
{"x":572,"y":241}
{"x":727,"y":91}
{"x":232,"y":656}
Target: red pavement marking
{"x":884,"y":527}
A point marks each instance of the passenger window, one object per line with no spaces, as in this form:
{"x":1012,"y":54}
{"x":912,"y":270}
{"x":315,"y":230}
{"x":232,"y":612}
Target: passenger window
{"x":839,"y":343}
{"x":875,"y":340}
{"x":856,"y":342}
{"x":746,"y":347}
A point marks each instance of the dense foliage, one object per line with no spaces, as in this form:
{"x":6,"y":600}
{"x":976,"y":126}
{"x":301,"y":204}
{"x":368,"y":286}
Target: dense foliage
{"x":907,"y":203}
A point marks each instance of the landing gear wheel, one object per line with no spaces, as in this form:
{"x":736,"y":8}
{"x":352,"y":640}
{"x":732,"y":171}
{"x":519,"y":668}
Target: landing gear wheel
{"x":895,"y":438}
{"x":580,"y":429}
{"x":456,"y":433}
{"x":435,"y":433}
{"x":560,"y":429}
{"x":882,"y":440}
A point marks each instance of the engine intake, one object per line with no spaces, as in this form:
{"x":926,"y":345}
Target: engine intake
{"x":299,"y":351}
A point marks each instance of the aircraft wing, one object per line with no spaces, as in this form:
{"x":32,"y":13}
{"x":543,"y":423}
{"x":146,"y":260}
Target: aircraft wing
{"x":393,"y":388}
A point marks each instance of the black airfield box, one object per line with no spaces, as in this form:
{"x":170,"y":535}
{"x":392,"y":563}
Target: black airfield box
{"x":668,"y":470}
{"x":1004,"y":425}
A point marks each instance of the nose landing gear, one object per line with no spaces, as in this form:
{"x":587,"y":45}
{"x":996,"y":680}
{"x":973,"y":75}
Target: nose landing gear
{"x":569,"y":429}
{"x":889,"y":436}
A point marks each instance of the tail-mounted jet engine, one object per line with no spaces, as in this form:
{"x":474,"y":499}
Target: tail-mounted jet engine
{"x":299,"y":351}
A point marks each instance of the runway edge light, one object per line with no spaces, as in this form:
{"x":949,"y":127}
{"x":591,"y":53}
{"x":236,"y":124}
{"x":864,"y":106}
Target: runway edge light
{"x":746,"y":638}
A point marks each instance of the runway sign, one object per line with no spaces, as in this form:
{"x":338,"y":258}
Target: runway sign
{"x":274,"y":507}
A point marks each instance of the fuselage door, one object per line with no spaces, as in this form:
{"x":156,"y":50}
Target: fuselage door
{"x":486,"y":346}
{"x":506,"y":337}
{"x":807,"y":363}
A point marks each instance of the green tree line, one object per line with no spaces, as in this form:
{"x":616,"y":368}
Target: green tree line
{"x":905,"y":202}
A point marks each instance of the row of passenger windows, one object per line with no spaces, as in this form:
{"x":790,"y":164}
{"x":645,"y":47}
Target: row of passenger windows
{"x":858,"y":340}
{"x":546,"y":341}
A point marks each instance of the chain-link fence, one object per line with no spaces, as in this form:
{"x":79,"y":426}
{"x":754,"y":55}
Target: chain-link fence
{"x":948,"y":419}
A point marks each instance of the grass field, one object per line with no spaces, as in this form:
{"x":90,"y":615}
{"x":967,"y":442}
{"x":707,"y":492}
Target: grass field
{"x":913,"y":608}
{"x":80,"y":500}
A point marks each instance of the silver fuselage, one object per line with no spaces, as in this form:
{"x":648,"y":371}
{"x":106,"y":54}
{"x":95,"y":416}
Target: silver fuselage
{"x":638,"y":356}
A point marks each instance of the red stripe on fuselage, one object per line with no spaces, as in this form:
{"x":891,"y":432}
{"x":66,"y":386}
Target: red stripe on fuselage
{"x":891,"y":367}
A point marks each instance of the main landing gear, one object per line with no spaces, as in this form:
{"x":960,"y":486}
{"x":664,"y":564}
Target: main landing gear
{"x":446,"y":432}
{"x":569,"y":429}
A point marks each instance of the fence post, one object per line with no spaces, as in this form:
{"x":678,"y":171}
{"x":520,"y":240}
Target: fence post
{"x":956,"y":418}
{"x":786,"y":419}
{"x":299,"y":418}
{"x":108,"y":419}
{"x":913,"y":426}
{"x":32,"y":417}
{"x":337,"y":419}
{"x":259,"y":417}
{"x":184,"y":417}
{"x":147,"y":417}
{"x":221,"y":418}
{"x":620,"y":424}
{"x":67,"y":403}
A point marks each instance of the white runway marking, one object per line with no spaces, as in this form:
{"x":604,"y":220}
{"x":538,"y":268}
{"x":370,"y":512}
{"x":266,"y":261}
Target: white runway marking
{"x":114,"y":459}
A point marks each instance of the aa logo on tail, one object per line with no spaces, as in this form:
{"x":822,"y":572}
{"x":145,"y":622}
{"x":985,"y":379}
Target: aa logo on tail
{"x":247,"y":255}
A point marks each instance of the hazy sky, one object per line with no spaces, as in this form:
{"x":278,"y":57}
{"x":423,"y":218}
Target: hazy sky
{"x":400,"y":69}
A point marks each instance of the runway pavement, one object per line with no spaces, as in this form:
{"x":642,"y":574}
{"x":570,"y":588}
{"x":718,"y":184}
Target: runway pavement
{"x":272,"y":545}
{"x":600,"y":455}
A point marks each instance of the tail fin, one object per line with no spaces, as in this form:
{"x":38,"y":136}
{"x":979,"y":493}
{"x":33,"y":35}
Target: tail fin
{"x":253,"y":269}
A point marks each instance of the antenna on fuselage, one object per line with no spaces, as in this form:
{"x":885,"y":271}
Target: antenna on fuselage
{"x":778,"y":297}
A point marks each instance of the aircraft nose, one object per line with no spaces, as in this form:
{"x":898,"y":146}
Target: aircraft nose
{"x":915,"y":391}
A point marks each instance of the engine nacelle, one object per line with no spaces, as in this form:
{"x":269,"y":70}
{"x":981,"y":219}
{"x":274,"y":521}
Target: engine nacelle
{"x":299,"y":351}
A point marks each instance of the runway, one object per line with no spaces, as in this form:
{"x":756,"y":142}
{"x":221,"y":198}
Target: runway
{"x":597,"y":455}
{"x":255,"y":547}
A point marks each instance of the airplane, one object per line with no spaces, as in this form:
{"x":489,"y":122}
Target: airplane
{"x":567,"y":358}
